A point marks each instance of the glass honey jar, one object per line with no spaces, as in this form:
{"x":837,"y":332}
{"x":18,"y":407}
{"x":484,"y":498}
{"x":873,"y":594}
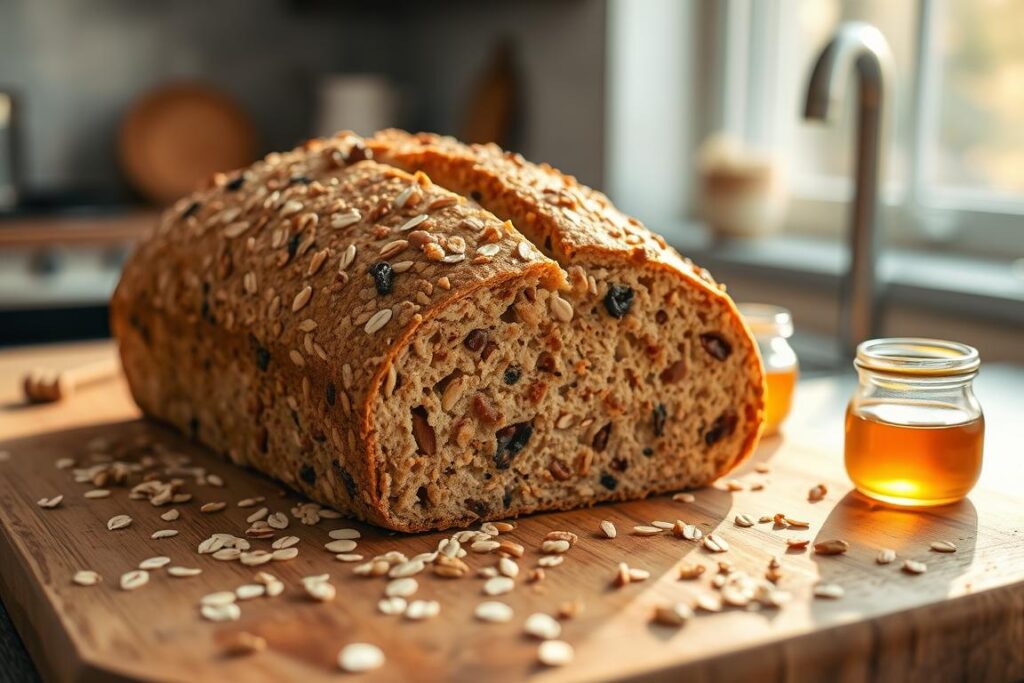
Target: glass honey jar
{"x":914,"y":430}
{"x":772,"y":327}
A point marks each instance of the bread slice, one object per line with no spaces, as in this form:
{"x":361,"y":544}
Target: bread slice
{"x":436,"y":335}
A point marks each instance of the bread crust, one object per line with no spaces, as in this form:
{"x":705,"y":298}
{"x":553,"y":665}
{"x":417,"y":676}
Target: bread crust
{"x":233,"y":262}
{"x":568,"y":221}
{"x":193,"y":270}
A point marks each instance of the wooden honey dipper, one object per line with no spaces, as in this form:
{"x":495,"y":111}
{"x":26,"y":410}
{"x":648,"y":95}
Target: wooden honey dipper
{"x":44,"y":385}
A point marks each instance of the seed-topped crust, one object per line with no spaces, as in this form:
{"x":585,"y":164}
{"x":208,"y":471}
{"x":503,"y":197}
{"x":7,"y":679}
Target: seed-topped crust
{"x":190,"y":294}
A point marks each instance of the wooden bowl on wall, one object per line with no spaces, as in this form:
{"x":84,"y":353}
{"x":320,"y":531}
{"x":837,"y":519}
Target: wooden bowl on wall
{"x":176,"y":136}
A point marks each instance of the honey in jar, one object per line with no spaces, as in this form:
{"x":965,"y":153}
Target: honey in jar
{"x":914,"y":430}
{"x":772,"y":326}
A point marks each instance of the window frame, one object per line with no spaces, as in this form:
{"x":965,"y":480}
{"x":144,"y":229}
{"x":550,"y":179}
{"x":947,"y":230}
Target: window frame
{"x":913,"y":213}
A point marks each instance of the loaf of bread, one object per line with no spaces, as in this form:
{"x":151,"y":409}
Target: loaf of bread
{"x":423,"y":334}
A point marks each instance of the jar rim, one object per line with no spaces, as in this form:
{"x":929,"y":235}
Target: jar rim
{"x":917,"y":356}
{"x":767,"y":319}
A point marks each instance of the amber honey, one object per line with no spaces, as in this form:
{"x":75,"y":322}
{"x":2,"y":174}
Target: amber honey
{"x":778,"y":397}
{"x":913,"y":453}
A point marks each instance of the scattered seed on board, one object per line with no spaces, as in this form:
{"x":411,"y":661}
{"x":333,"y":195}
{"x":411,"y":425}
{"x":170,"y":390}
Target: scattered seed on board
{"x":608,"y":529}
{"x":403,"y":587}
{"x":493,"y":612}
{"x":218,"y":613}
{"x":419,"y":610}
{"x":86,"y":577}
{"x":684,"y":498}
{"x":49,"y":503}
{"x":284,"y":554}
{"x":716,"y":543}
{"x":163,"y":533}
{"x":817,"y":492}
{"x":320,"y":590}
{"x":348,"y":557}
{"x":243,"y":643}
{"x":943,"y":547}
{"x":118,"y":522}
{"x":341,"y":546}
{"x":360,"y":657}
{"x":744,"y":520}
{"x":829,"y":590}
{"x":218,"y":598}
{"x":285,"y":542}
{"x":675,"y":614}
{"x":250,"y":591}
{"x":499,"y":585}
{"x":555,"y":547}
{"x":690,"y":532}
{"x":391,"y":606}
{"x":885,"y":556}
{"x":155,"y":562}
{"x":97,"y":493}
{"x":543,"y":626}
{"x":914,"y":567}
{"x":134,"y":579}
{"x":550,"y":561}
{"x":689,"y":572}
{"x":643,"y":530}
{"x":216,"y":506}
{"x":555,"y":653}
{"x":831,"y":547}
{"x":345,"y":534}
{"x":797,"y":543}
{"x":170,"y":515}
{"x":184,"y":572}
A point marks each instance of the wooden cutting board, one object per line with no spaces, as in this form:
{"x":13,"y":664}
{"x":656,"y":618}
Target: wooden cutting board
{"x":963,"y":619}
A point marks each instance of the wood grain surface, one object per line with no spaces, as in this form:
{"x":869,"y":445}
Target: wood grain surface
{"x":962,"y":620}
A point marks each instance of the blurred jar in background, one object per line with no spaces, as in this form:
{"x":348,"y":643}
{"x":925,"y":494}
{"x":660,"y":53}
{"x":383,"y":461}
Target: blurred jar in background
{"x":772,"y":327}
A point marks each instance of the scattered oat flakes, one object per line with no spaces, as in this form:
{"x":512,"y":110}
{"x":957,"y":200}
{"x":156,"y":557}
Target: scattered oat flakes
{"x":134,"y":579}
{"x":608,"y":529}
{"x":163,"y":533}
{"x":643,"y":530}
{"x":341,"y":546}
{"x":218,"y":613}
{"x":396,"y":604}
{"x":829,"y":590}
{"x":184,"y":572}
{"x":885,"y":556}
{"x":555,"y":547}
{"x":155,"y":562}
{"x":744,"y":520}
{"x":241,"y":643}
{"x":171,"y":515}
{"x":95,"y":494}
{"x":345,"y":534}
{"x":550,"y":561}
{"x":499,"y":585}
{"x":360,"y":657}
{"x":50,"y":503}
{"x":555,"y":653}
{"x":797,"y":543}
{"x":86,"y":577}
{"x":684,"y":498}
{"x":118,"y":522}
{"x":419,"y":610}
{"x":403,"y":587}
{"x":675,"y":614}
{"x":817,"y":492}
{"x":689,"y":572}
{"x":831,"y":547}
{"x":216,"y":506}
{"x":943,"y":547}
{"x":493,"y":612}
{"x":543,"y":626}
{"x":914,"y":567}
{"x":716,"y":543}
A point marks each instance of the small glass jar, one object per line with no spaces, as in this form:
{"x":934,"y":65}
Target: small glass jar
{"x":772,"y":327}
{"x":914,"y":430}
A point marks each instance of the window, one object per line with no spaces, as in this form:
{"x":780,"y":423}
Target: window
{"x":953,"y":151}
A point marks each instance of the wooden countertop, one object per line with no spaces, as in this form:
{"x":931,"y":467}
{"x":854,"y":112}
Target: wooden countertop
{"x":962,"y":620}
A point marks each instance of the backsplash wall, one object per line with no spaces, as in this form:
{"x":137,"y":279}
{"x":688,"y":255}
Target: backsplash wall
{"x":75,"y":66}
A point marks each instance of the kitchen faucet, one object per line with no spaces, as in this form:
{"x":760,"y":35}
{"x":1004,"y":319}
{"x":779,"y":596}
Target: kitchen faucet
{"x":862,"y":47}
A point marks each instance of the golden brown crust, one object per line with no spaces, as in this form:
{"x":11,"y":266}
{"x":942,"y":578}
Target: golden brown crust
{"x":568,"y":221}
{"x":270,"y":255}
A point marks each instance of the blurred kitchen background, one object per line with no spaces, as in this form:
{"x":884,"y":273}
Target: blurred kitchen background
{"x":688,"y":114}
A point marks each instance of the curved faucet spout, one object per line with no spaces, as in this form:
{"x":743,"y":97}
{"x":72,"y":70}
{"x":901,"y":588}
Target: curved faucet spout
{"x":859,"y":47}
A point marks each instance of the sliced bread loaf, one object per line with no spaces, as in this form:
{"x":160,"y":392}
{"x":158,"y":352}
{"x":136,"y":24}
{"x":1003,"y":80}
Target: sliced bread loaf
{"x":423,"y":334}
